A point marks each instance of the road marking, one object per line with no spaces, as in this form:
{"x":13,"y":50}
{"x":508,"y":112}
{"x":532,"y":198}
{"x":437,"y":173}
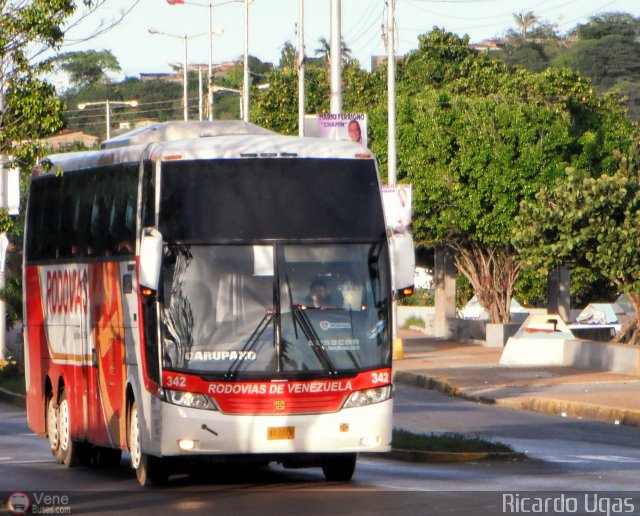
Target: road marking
{"x":578,"y":459}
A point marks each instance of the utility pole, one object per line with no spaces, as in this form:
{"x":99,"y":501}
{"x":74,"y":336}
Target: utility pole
{"x":210,"y":67}
{"x":185,"y":84}
{"x":301,"y":95}
{"x":391,"y":94}
{"x":4,"y":241}
{"x":335,"y":56}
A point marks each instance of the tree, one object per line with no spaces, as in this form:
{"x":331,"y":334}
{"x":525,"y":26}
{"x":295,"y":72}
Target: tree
{"x":477,"y":137}
{"x":591,"y":220}
{"x":29,"y":107}
{"x":525,"y":21}
{"x":324,"y":52}
{"x":608,"y":24}
{"x":87,"y":68}
{"x":288,"y":56}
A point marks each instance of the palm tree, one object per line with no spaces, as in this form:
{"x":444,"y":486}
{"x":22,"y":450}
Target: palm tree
{"x":525,"y":21}
{"x":324,"y":52}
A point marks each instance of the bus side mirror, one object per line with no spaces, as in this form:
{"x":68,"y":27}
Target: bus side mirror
{"x":403,"y":264}
{"x":150,"y":258}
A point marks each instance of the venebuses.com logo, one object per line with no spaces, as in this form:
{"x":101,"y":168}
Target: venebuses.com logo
{"x":38,"y":503}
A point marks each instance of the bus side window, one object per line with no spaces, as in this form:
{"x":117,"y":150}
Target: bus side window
{"x":122,"y":213}
{"x":81,"y":215}
{"x":51,"y":213}
{"x":36,"y":221}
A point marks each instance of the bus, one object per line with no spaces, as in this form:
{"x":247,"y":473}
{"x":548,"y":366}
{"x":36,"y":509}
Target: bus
{"x":209,"y":291}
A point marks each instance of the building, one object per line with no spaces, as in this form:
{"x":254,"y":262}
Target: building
{"x":68,"y":138}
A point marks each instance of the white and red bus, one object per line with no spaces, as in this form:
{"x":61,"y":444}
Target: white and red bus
{"x":209,"y":290}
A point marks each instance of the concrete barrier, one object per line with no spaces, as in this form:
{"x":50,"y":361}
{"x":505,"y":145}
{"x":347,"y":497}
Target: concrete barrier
{"x":536,"y":345}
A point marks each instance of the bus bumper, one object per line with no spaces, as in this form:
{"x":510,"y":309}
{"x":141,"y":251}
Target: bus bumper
{"x":187,"y":431}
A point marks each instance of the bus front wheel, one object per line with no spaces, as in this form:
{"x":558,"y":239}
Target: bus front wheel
{"x":149,"y":469}
{"x":339,"y":467}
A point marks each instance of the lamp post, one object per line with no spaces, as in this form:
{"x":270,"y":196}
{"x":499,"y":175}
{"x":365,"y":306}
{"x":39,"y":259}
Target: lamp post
{"x":245,"y":80}
{"x":213,"y":31}
{"x":185,"y":71}
{"x":107,"y":104}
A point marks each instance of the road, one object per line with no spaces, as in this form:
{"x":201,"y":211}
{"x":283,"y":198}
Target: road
{"x":566,"y":459}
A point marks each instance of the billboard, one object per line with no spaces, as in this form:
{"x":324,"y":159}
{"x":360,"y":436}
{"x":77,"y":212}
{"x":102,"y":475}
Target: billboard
{"x":397,"y":201}
{"x":340,"y":126}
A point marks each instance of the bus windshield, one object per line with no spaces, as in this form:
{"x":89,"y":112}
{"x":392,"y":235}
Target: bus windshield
{"x":268,"y":309}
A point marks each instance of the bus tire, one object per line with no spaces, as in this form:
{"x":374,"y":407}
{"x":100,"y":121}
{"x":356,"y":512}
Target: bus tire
{"x":339,"y":467}
{"x":52,"y":417}
{"x":149,"y":469}
{"x":72,"y":453}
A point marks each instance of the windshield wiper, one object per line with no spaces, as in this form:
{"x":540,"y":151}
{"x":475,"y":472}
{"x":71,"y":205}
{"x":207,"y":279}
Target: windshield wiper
{"x":310,"y":333}
{"x":299,"y":317}
{"x":251,"y":342}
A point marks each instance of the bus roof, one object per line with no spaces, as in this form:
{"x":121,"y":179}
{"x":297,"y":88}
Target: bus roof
{"x":208,"y":140}
{"x":171,"y":131}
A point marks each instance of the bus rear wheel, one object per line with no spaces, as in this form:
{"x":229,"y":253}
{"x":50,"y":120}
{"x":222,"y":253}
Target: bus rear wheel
{"x":149,"y":469}
{"x":339,"y":467}
{"x":53,"y":433}
{"x":70,"y":452}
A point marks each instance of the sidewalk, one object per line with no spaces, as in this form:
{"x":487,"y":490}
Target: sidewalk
{"x":473,"y":372}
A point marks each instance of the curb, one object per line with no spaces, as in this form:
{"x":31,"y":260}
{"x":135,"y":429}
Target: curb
{"x":433,"y":456}
{"x":440,"y":384}
{"x":574,"y":409}
{"x":578,"y":410}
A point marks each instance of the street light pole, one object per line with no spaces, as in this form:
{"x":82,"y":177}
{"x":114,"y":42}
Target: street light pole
{"x":107,"y":104}
{"x":301,"y":93}
{"x":245,"y":87}
{"x":335,"y":56}
{"x":185,"y":84}
{"x":185,"y":87}
{"x":245,"y":82}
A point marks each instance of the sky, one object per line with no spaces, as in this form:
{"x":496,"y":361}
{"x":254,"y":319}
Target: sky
{"x":273,"y":22}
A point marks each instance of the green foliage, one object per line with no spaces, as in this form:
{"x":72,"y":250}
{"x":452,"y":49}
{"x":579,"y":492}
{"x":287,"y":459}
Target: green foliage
{"x":414,"y":320}
{"x":158,"y":100}
{"x":605,"y":49}
{"x":605,"y":60}
{"x":88,"y":67}
{"x":5,"y":221}
{"x":608,"y":24}
{"x":447,"y":442}
{"x":288,"y":56}
{"x":529,"y":55}
{"x":12,"y":375}
{"x":420,"y":297}
{"x":31,"y":109}
{"x":587,"y":220}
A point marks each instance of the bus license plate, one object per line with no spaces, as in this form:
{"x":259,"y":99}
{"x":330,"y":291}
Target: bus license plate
{"x":277,"y":433}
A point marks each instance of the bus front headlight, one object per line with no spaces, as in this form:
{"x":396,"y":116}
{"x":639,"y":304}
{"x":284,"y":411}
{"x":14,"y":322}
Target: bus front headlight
{"x":368,"y":396}
{"x":189,"y":399}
